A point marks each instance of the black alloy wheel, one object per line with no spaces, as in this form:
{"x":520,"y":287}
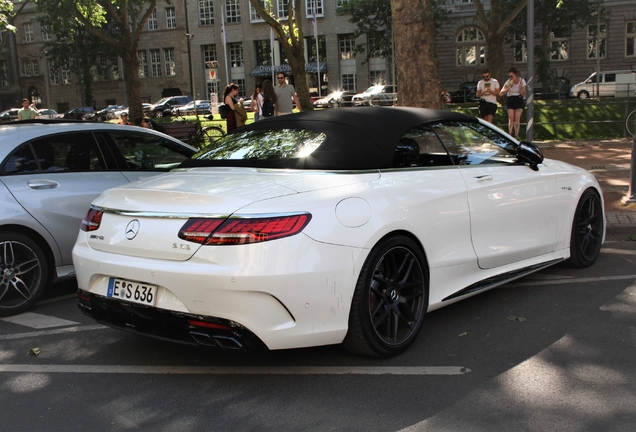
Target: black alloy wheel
{"x":23,"y":273}
{"x":587,"y":230}
{"x":390,"y":299}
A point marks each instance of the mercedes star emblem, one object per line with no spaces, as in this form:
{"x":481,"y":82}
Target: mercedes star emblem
{"x":132,"y":229}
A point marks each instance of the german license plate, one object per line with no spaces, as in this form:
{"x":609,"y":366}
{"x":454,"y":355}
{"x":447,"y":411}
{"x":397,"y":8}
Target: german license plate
{"x":135,"y":292}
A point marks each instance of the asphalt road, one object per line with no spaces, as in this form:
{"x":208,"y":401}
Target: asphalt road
{"x":551,"y":352}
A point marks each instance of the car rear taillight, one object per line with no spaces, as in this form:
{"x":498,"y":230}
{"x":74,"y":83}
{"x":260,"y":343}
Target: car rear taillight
{"x":92,"y":219}
{"x":245,"y":230}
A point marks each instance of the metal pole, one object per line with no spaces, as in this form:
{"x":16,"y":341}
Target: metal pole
{"x":598,"y":54}
{"x":630,"y":198}
{"x":530,"y":73}
{"x":189,"y":37}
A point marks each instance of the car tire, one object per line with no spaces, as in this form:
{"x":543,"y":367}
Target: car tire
{"x":158,"y":114}
{"x":23,"y":273}
{"x":390,"y":299}
{"x":583,"y":95}
{"x":587,"y":231}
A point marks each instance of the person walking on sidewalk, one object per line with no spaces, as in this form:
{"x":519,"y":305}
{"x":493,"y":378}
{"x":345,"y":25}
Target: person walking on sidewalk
{"x":515,"y":87}
{"x":487,"y":91}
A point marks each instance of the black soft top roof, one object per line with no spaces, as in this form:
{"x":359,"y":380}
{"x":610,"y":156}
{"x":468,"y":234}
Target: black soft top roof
{"x":356,"y":138}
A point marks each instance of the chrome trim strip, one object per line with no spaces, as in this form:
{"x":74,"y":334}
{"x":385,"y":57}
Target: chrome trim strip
{"x":163,"y":215}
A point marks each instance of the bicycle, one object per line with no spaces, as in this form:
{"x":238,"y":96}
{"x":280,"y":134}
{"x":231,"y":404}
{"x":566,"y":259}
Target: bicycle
{"x":201,"y":136}
{"x":630,"y":123}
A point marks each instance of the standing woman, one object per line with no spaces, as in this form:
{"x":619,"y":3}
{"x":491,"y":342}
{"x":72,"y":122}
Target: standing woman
{"x":515,"y":87}
{"x":267,"y":92}
{"x":257,"y":102}
{"x":229,"y":95}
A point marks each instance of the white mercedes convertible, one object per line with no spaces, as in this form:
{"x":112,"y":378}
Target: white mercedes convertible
{"x":331,"y":227}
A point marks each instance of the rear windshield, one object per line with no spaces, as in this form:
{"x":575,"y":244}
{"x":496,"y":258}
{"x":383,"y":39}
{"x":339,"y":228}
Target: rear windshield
{"x":263,"y":145}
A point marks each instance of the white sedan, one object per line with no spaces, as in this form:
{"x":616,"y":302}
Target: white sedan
{"x":331,"y":227}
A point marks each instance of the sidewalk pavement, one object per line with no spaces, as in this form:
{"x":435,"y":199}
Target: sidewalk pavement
{"x":610,"y":162}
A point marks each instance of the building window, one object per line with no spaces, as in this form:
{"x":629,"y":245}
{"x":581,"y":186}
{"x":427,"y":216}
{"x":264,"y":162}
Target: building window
{"x":262,"y":49}
{"x":168,"y":56}
{"x":171,"y":18}
{"x":377,"y":77}
{"x":240,"y":82}
{"x":630,"y":39}
{"x":322,"y":48}
{"x":236,"y":54}
{"x":591,"y":41}
{"x":348,"y":82}
{"x":341,"y":3}
{"x":155,"y":63}
{"x":143,"y":64}
{"x":559,"y":47}
{"x":31,"y":68}
{"x":206,"y":12}
{"x":254,"y":16}
{"x":4,"y":74}
{"x":66,"y":76}
{"x":232,"y":11}
{"x":28,"y":33}
{"x":209,"y":53}
{"x":54,"y":75}
{"x":46,"y":36}
{"x":471,"y":47}
{"x":153,"y":24}
{"x":521,"y":49}
{"x":347,"y":44}
{"x":282,"y":8}
{"x":311,"y":5}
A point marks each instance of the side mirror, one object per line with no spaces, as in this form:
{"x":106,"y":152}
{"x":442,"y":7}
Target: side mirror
{"x":530,"y":154}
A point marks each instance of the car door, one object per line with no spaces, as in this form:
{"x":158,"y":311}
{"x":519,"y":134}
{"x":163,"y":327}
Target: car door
{"x":55,"y":178}
{"x":513,"y":209}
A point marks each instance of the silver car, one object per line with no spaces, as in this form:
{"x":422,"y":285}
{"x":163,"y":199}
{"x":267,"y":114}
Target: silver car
{"x":50,"y":171}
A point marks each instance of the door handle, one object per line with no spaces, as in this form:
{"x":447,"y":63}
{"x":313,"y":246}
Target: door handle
{"x":483,"y":178}
{"x":42,"y":184}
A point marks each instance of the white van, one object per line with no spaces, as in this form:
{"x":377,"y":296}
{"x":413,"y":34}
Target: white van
{"x":611,"y":83}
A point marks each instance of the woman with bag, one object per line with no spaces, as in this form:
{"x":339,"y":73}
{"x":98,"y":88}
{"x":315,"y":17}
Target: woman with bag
{"x":257,"y":102}
{"x":515,"y":87}
{"x":269,"y":99}
{"x":229,"y":95}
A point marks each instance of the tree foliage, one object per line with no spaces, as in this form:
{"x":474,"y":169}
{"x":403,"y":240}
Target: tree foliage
{"x":559,"y":18}
{"x":291,"y":38}
{"x":8,"y":15}
{"x":118,"y":23}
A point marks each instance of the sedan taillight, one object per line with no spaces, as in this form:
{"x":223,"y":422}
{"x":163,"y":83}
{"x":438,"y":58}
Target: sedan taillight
{"x":92,"y":220}
{"x":233,"y":231}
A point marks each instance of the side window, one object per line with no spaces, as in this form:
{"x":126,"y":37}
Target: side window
{"x":420,"y":147}
{"x":475,"y":144}
{"x":145,"y":151}
{"x":21,"y":161}
{"x":68,"y":152}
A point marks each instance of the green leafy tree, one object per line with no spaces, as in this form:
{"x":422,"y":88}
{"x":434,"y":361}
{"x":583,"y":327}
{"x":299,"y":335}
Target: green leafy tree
{"x":291,"y":39}
{"x":118,"y":23}
{"x":75,"y":49}
{"x":559,"y":18}
{"x":8,"y":15}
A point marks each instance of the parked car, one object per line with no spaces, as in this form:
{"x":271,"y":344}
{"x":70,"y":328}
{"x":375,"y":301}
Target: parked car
{"x":384,"y":95}
{"x":335,"y":99}
{"x":330,"y":227}
{"x":9,"y":115}
{"x":77,"y":113}
{"x":104,"y":114}
{"x":203,"y":107}
{"x":465,"y":93}
{"x":157,"y":109}
{"x":47,"y":113}
{"x":50,"y":170}
{"x":616,"y":83}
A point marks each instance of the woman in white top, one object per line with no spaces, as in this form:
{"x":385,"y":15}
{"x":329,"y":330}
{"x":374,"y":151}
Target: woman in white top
{"x":515,"y":87}
{"x":257,"y":103}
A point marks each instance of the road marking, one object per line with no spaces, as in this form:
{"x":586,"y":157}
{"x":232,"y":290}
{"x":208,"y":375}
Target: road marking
{"x":236,"y":370}
{"x":569,"y":281}
{"x":38,"y":321}
{"x":52,"y":332}
{"x":56,"y":299}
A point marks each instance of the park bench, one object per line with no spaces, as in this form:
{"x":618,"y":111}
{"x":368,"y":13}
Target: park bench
{"x":180,"y":131}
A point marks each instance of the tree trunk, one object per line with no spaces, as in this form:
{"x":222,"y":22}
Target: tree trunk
{"x":416,"y":54}
{"x":133,"y":84}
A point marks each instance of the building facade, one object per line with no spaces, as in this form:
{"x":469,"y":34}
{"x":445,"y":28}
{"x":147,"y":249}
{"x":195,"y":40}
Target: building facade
{"x":196,"y":47}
